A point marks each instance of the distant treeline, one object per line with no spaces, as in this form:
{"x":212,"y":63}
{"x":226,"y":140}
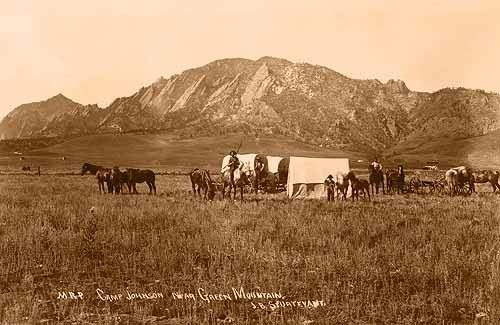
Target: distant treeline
{"x":27,"y":144}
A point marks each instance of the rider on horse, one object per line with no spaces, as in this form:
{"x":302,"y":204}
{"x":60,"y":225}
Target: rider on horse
{"x":233,"y":164}
{"x":377,"y":167}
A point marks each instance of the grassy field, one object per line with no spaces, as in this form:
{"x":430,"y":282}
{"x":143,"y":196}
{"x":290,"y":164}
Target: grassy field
{"x":161,"y":152}
{"x":400,"y":259}
{"x":167,"y":152}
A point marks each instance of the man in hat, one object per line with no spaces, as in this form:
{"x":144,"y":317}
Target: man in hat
{"x":330,"y":187}
{"x":376,"y":165}
{"x":233,"y":164}
{"x":259,"y":172}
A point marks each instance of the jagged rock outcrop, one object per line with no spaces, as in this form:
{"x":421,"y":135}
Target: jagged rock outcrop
{"x":271,"y":95}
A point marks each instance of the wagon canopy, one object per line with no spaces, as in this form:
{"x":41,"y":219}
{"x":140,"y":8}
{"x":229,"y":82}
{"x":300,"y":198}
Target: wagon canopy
{"x":247,"y":162}
{"x":306,"y":176}
{"x":274,"y":162}
{"x":283,"y":170}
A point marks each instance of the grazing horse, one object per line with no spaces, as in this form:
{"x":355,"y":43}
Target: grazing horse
{"x":201,"y":179}
{"x":358,"y":185}
{"x":103,"y":176}
{"x":240,"y":180}
{"x":139,"y":176}
{"x":376,"y":179}
{"x":487,"y":176}
{"x":395,"y":178}
{"x":93,"y":169}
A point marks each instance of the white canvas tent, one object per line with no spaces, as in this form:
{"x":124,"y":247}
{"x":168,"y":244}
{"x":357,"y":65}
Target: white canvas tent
{"x":273,"y":163}
{"x":306,"y":176}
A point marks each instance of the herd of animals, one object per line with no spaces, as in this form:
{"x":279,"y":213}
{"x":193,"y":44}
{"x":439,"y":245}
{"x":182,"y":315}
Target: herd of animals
{"x":115,"y":179}
{"x":458,"y":180}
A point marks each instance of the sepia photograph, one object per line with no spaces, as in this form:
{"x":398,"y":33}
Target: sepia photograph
{"x":249,"y":162}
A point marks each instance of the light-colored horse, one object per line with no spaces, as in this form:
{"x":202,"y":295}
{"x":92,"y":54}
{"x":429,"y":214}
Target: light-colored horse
{"x":103,"y":176}
{"x":457,"y":178}
{"x":241,"y":179}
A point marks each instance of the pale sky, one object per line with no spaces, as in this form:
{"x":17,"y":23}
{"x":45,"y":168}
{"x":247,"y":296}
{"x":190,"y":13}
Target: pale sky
{"x":94,"y":51}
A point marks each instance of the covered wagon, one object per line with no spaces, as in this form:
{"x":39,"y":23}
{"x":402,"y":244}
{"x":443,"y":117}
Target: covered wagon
{"x":248,"y":164}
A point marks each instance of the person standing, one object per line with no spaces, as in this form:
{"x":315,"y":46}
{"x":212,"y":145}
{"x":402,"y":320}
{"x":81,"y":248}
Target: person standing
{"x":233,"y":164}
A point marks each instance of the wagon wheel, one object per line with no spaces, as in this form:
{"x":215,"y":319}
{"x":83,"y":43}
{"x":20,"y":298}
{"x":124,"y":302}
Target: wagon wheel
{"x":415,"y":184}
{"x":466,"y":189}
{"x":432,"y":188}
{"x":439,"y":187}
{"x":442,"y":185}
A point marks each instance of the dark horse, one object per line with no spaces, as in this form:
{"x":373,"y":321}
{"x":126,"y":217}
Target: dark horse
{"x":93,"y":169}
{"x":103,"y":176}
{"x":240,"y":180}
{"x":395,"y":179}
{"x":376,"y":179}
{"x":118,"y":178}
{"x":140,"y":176}
{"x":358,"y":185}
{"x":200,"y":178}
{"x":487,"y":176}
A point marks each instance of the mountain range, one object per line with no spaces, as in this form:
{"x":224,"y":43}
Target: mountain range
{"x":272,"y":96}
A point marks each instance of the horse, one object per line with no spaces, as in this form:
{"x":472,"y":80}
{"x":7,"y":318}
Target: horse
{"x":457,"y":177}
{"x":395,"y":178}
{"x":139,"y":176}
{"x":103,"y":176}
{"x":451,"y":177}
{"x":487,"y":176}
{"x":93,"y":169}
{"x":358,"y":185}
{"x":118,"y":178}
{"x":376,"y":179}
{"x":342,"y":186}
{"x":201,"y":179}
{"x":465,"y":176}
{"x":240,"y":180}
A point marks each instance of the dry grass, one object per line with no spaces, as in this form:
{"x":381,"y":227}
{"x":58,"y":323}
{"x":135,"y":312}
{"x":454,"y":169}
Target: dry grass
{"x":399,"y":259}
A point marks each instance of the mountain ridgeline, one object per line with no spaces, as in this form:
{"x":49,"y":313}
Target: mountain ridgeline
{"x":270,"y":96}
